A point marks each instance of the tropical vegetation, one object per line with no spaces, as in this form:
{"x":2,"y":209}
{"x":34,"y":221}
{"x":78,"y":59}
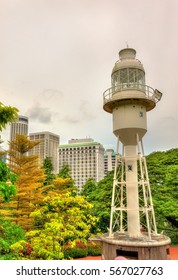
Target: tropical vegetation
{"x":43,"y":217}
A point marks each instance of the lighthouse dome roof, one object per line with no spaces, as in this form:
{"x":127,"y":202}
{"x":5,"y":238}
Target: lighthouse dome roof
{"x":127,"y":59}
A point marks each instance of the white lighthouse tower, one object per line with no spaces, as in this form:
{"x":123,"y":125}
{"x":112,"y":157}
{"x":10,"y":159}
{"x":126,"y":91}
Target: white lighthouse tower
{"x":132,"y":220}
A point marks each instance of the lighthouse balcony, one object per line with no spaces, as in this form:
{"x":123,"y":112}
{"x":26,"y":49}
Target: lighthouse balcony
{"x":124,"y":93}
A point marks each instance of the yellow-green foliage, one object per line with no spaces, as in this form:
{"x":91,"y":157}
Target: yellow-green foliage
{"x":29,"y":182}
{"x":7,"y":115}
{"x":66,"y":219}
{"x":45,"y":246}
{"x":61,"y":185}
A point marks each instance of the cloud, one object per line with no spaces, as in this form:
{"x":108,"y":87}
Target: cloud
{"x":39,"y":113}
{"x":69,"y":120}
{"x":83,"y":112}
{"x":50,"y":94}
{"x":44,"y":105}
{"x":86,"y":110}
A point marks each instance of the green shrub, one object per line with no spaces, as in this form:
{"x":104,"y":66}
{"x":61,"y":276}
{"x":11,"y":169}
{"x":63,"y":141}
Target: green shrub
{"x":73,"y":253}
{"x":81,"y":250}
{"x":9,"y":234}
{"x":94,"y":249}
{"x":10,"y":256}
{"x":173,"y":235}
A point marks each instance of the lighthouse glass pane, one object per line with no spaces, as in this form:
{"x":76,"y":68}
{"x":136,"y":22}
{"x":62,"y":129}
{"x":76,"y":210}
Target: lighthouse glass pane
{"x":132,"y":75}
{"x":141,"y":77}
{"x":124,"y":78}
{"x":116,"y":81}
{"x":128,"y":78}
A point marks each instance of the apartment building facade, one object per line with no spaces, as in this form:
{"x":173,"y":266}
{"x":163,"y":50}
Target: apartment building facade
{"x":20,"y":126}
{"x":85,"y":158}
{"x":48,"y":147}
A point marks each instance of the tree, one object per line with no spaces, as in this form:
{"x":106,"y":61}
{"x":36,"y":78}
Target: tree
{"x":163,"y":175}
{"x":29,"y":182}
{"x":88,"y":188}
{"x":65,"y":220}
{"x":9,"y":234}
{"x":48,"y":170}
{"x":7,"y":180}
{"x":65,"y":171}
{"x":7,"y":115}
{"x":99,"y":194}
{"x":64,"y":180}
{"x":61,"y":185}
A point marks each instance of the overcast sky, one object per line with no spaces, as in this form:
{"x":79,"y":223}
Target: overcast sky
{"x":56,"y":58}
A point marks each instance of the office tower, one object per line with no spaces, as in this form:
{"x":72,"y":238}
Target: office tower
{"x":85,"y":159}
{"x":109,"y":160}
{"x":47,"y":148}
{"x":20,"y":126}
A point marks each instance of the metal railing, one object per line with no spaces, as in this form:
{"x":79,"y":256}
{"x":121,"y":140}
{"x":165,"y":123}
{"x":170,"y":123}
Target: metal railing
{"x":149,"y":92}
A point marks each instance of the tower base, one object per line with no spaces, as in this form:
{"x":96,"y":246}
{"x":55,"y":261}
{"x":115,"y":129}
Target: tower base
{"x":135,"y":248}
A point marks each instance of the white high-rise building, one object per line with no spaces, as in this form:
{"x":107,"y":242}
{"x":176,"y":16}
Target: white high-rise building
{"x":47,"y":148}
{"x":20,"y":126}
{"x":85,"y":159}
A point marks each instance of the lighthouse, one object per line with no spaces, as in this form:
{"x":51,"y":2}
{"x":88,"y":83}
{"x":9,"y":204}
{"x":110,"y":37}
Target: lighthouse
{"x":132,"y":231}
